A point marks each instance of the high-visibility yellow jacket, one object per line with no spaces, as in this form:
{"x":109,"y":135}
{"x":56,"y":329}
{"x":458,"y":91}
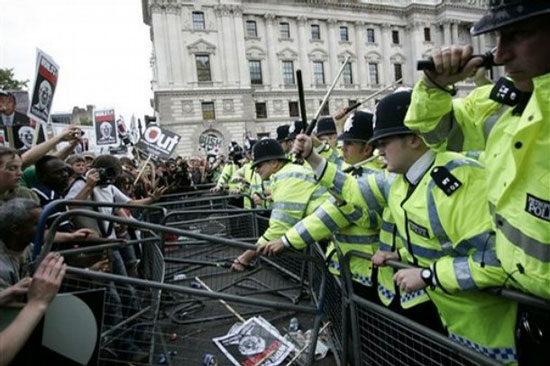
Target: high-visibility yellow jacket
{"x":224,"y":181}
{"x":295,"y":194}
{"x":444,"y":225}
{"x":248,"y":183}
{"x":516,"y":153}
{"x":345,"y":230}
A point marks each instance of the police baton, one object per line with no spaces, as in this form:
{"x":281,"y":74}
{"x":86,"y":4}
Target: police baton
{"x":488,"y":61}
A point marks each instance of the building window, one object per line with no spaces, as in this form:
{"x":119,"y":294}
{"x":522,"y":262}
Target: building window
{"x":198,"y":20}
{"x":255,"y":67}
{"x":203,"y":68}
{"x":344,"y":34}
{"x":370,"y":35}
{"x":325,"y":111}
{"x":395,"y":37}
{"x":348,"y":79}
{"x":293,"y":109}
{"x":288,"y":73}
{"x":398,"y":72}
{"x":427,"y":34}
{"x":318,"y":73}
{"x":373,"y":73}
{"x":261,"y":110}
{"x":285,"y":30}
{"x":315,"y":31}
{"x":208,"y":111}
{"x":251,"y":30}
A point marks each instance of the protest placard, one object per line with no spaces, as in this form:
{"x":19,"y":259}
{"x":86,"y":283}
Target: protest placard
{"x":158,"y":142}
{"x":45,"y":83}
{"x":105,"y":127}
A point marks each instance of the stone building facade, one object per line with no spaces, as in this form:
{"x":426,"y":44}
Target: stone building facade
{"x":225,"y":69}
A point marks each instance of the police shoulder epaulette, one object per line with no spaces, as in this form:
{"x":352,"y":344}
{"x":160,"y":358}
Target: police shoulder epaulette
{"x":443,"y":178}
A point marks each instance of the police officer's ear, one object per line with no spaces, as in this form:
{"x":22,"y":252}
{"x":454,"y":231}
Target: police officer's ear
{"x":368,"y":149}
{"x":416,"y":142}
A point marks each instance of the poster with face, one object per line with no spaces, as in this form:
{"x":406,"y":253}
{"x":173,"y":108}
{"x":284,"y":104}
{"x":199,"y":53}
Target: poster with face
{"x":14,"y":105}
{"x":44,"y":87}
{"x":254,"y":342}
{"x":105,"y":127}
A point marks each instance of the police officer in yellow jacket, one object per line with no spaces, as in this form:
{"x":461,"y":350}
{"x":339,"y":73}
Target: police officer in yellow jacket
{"x":294,"y":191}
{"x":510,"y":121}
{"x":248,"y":181}
{"x":328,"y":220}
{"x":326,"y":132}
{"x":435,"y":201}
{"x":230,"y":169}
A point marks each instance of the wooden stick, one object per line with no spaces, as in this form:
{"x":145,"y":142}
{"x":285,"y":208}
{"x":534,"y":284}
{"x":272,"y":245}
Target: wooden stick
{"x":305,"y":347}
{"x":233,"y":311}
{"x":142,"y":169}
{"x":332,"y":86}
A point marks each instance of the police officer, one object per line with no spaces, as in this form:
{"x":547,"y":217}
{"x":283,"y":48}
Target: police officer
{"x":325,"y":131}
{"x":230,"y":169}
{"x":282,"y":138}
{"x":294,"y":192}
{"x":444,"y":226}
{"x":510,"y":122}
{"x":248,"y":182}
{"x":328,"y":220}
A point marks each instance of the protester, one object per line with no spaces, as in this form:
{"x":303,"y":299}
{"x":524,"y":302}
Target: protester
{"x":40,"y":291}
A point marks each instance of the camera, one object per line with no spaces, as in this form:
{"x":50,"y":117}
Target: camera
{"x":106,"y":176}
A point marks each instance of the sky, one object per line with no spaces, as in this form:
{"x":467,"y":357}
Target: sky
{"x":102,"y":48}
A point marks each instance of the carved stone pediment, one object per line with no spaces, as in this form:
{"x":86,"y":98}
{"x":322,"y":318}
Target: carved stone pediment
{"x":255,"y":52}
{"x":342,"y":56}
{"x":287,"y":54}
{"x":397,"y":58}
{"x":373,"y":57}
{"x":318,"y":54}
{"x":201,"y":46}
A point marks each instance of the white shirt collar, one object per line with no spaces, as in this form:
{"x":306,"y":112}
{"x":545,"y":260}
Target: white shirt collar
{"x":8,"y":120}
{"x":420,"y":166}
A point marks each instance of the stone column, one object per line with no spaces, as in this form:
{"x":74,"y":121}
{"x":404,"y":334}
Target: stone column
{"x":238,"y":33}
{"x":332,"y":50}
{"x":232,"y":67}
{"x":447,"y":33}
{"x":415,"y":31}
{"x":454,"y":32}
{"x":221,"y":49}
{"x":361,"y":66}
{"x":158,"y":20}
{"x":303,"y":42}
{"x":174,"y":41}
{"x":385,"y":63}
{"x":273,"y":78}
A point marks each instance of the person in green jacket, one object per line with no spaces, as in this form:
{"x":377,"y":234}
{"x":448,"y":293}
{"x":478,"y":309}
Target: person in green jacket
{"x":294,"y":192}
{"x":434,"y":198}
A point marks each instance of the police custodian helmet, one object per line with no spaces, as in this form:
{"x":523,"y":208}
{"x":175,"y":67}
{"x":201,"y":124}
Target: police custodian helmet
{"x":358,"y":127}
{"x":268,"y":149}
{"x":325,"y":126}
{"x":390,"y":115}
{"x":505,"y":12}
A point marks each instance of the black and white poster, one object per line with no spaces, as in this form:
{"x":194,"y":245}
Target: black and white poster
{"x":210,"y":143}
{"x":105,"y":127}
{"x":44,"y":87}
{"x":158,"y":142}
{"x":253,"y":342}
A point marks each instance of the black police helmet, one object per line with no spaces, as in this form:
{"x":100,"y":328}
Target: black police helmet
{"x":325,"y":126}
{"x":390,"y":115}
{"x":268,"y":149}
{"x":296,"y":128}
{"x":282,"y":133}
{"x":358,"y":127}
{"x":505,"y":12}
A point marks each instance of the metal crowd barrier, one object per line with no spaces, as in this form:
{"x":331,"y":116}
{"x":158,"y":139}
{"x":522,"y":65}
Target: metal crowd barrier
{"x":161,"y":313}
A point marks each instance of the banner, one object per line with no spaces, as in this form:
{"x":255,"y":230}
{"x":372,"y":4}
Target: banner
{"x":44,"y":87}
{"x":105,"y":127}
{"x":158,"y":142}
